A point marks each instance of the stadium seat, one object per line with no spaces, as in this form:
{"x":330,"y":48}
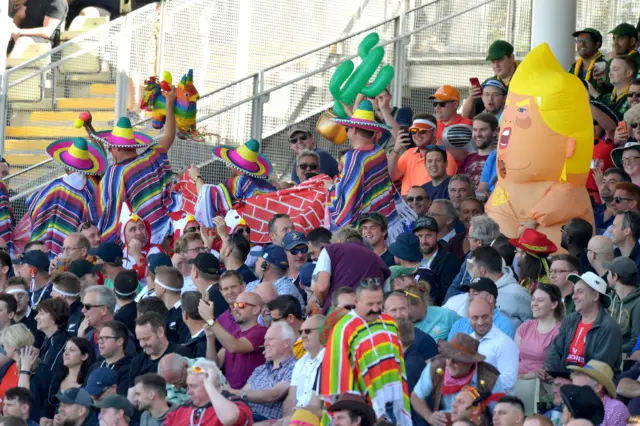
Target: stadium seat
{"x":32,"y":89}
{"x":81,"y":25}
{"x":529,"y":392}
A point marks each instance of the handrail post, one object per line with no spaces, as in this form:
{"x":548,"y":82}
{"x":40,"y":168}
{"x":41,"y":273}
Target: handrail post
{"x":4,"y":79}
{"x":257,"y":106}
{"x":160,"y":47}
{"x":122,"y":76}
{"x":399,"y":55}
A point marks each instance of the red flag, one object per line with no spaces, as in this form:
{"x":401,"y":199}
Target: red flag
{"x":305,"y":204}
{"x":189,"y":193}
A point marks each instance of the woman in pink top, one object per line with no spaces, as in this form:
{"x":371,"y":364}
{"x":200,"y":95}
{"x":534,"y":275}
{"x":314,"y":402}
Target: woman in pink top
{"x":534,"y":337}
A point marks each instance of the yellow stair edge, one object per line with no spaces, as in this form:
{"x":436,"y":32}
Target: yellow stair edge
{"x":68,"y":116}
{"x":102,"y":89}
{"x":86,"y":103}
{"x":25,"y":159}
{"x":25,"y":145}
{"x":53,"y":132}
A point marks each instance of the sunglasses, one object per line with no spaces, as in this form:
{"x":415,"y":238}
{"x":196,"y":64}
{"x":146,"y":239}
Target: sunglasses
{"x":5,"y":249}
{"x":197,"y":369}
{"x":633,"y":94}
{"x":88,"y":306}
{"x":635,"y":125}
{"x":308,"y":331}
{"x":303,"y":250}
{"x":241,"y":231}
{"x":419,"y":131}
{"x":441,"y":104}
{"x":299,"y":138}
{"x":618,"y":200}
{"x":305,"y":166}
{"x":438,"y":147}
{"x":241,"y":305}
{"x":85,"y":225}
{"x":419,"y":198}
{"x":349,"y":307}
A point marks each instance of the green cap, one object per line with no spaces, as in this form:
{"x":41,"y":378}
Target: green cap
{"x":624,"y":30}
{"x":498,"y":49}
{"x":118,"y":402}
{"x":398,"y":271}
{"x":597,"y":37}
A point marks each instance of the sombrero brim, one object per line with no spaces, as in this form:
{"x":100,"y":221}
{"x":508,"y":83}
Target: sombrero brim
{"x":616,"y":154}
{"x":597,"y":376}
{"x":606,"y":110}
{"x":550,"y":247}
{"x":361,"y":124}
{"x":448,"y":351}
{"x":140,"y":140}
{"x":261,"y":169}
{"x":96,"y":164}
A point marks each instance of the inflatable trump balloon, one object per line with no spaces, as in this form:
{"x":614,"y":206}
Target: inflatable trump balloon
{"x":544,"y":150}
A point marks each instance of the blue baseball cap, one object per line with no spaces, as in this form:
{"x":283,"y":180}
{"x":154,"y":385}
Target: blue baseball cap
{"x":158,"y":259}
{"x":108,"y":252}
{"x":306,"y":274}
{"x":99,"y":380}
{"x":275,"y":255}
{"x":406,"y":247}
{"x":35,"y":258}
{"x":82,"y":267}
{"x":294,"y":239}
{"x":494,"y":82}
{"x":75,"y":396}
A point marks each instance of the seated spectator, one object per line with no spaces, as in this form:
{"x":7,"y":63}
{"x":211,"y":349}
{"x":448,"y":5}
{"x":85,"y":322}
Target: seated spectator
{"x":188,"y":247}
{"x":499,"y":349}
{"x":19,"y":289}
{"x":418,"y":200}
{"x":287,"y":308}
{"x":75,"y":408}
{"x":625,"y":235}
{"x":575,"y":236}
{"x":87,"y":272}
{"x":150,"y":332}
{"x":234,"y":253}
{"x":629,"y":387}
{"x":67,"y":287}
{"x":436,"y":164}
{"x":52,"y":319}
{"x":591,"y":64}
{"x":581,"y":402}
{"x":75,"y":247}
{"x":534,"y":337}
{"x":625,"y":307}
{"x":600,"y":252}
{"x":435,"y":257}
{"x":115,"y":410}
{"x":231,"y":285}
{"x":603,"y":339}
{"x":433,"y":320}
{"x":23,"y":368}
{"x":467,"y":409}
{"x":112,"y":340}
{"x":241,"y":352}
{"x":296,"y":249}
{"x":8,"y":307}
{"x":153,"y":261}
{"x":414,"y":360}
{"x":401,"y":277}
{"x":598,"y":376}
{"x":36,"y":22}
{"x":406,"y":163}
{"x":460,"y":362}
{"x":625,"y":199}
{"x":344,"y":298}
{"x":125,"y":287}
{"x":630,"y":134}
{"x":77,"y":358}
{"x":459,"y":243}
{"x":268,"y":385}
{"x":151,"y":399}
{"x":301,"y":139}
{"x":509,"y":411}
{"x":373,"y":227}
{"x":197,"y":341}
{"x":174,"y":368}
{"x":460,"y":187}
{"x":316,"y":238}
{"x":169,"y":285}
{"x":17,"y":403}
{"x":307,"y":165}
{"x":92,"y":233}
{"x":483,"y":231}
{"x":396,"y":304}
{"x":492,"y":93}
{"x":485,"y":132}
{"x":622,"y":71}
{"x":307,"y":369}
{"x":406,"y":253}
{"x":101,"y":383}
{"x":483,"y":288}
{"x":563,"y":265}
{"x":532,"y":249}
{"x":33,"y":266}
{"x":446,"y":215}
{"x":605,"y":212}
{"x":446,"y":101}
{"x":351,"y":409}
{"x":112,"y":258}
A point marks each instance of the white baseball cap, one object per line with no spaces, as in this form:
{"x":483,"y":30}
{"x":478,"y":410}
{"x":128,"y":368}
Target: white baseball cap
{"x":595,"y":282}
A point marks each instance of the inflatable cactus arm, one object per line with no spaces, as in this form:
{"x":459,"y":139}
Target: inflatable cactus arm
{"x":185,"y":110}
{"x":346,"y":83}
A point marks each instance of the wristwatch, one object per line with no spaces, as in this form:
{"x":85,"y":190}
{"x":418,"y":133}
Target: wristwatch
{"x":243,"y":395}
{"x":210,"y":322}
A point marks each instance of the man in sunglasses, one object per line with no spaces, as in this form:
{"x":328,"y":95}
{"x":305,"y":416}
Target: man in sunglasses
{"x":418,"y":200}
{"x":297,"y":248}
{"x":301,"y":139}
{"x":591,"y":64}
{"x":307,"y":165}
{"x":625,"y":198}
{"x":406,"y":162}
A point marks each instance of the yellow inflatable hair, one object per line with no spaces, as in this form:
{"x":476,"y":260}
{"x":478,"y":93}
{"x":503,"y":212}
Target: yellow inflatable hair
{"x":558,"y":95}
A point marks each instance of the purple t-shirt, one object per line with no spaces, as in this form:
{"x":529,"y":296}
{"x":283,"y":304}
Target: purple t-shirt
{"x":472,"y":166}
{"x":228,"y":322}
{"x":238,"y":367}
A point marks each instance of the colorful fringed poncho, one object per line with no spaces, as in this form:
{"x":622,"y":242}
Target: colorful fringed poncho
{"x":144,"y":182}
{"x":7,"y":221}
{"x":60,"y":208}
{"x":364,"y":186}
{"x":367,"y":358}
{"x":216,"y":200}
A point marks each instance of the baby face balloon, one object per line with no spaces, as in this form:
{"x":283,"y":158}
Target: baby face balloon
{"x":547,"y":128}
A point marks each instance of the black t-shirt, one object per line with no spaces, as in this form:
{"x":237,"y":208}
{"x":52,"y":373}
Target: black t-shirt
{"x":388,"y":259}
{"x":30,"y":322}
{"x":75,"y":318}
{"x":143,"y":364}
{"x":177,"y":331}
{"x":127,"y":315}
{"x":197,"y":345}
{"x":247,"y":274}
{"x":219,"y":304}
{"x":37,"y":10}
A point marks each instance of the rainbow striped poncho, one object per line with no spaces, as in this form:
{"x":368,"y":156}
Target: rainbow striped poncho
{"x":144,"y":182}
{"x":7,"y":221}
{"x":216,"y":200}
{"x":366,"y":358}
{"x":364,"y":185}
{"x":60,"y":208}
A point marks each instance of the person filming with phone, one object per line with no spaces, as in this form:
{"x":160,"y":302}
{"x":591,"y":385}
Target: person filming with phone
{"x":406,"y":160}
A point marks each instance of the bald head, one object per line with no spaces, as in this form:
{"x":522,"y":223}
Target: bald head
{"x":479,"y":304}
{"x":480,"y":316}
{"x":251,"y":298}
{"x":580,"y":422}
{"x":173,"y":368}
{"x":602,"y":247}
{"x":267,"y":292}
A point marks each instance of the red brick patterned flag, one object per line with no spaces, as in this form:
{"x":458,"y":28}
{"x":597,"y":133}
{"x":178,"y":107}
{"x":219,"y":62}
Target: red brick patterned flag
{"x":187,"y":188}
{"x":305,"y":203}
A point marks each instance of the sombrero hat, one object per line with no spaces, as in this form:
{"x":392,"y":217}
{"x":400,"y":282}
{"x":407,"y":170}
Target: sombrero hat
{"x":616,"y":154}
{"x":246,"y":158}
{"x":79,"y":155}
{"x":123,"y":136}
{"x":363,"y":118}
{"x":357,"y":403}
{"x":534,"y":242}
{"x":462,"y":348}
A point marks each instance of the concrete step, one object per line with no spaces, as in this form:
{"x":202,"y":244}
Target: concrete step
{"x":82,"y":104}
{"x":102,"y":89}
{"x":42,"y":132}
{"x":67,"y":117}
{"x":21,"y":145}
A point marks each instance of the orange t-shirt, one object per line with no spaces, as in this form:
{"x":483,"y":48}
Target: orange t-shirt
{"x":10,"y":380}
{"x":452,"y":164}
{"x":411,"y":170}
{"x":576,"y":348}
